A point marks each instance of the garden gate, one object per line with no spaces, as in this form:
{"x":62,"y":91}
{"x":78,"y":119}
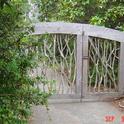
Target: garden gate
{"x":85,"y":60}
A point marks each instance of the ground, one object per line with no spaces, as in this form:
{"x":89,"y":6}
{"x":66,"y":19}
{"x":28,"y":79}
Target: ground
{"x":119,"y":103}
{"x":78,"y":113}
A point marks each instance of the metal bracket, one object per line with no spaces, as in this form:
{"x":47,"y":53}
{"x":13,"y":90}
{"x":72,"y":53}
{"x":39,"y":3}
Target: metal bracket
{"x":85,"y":57}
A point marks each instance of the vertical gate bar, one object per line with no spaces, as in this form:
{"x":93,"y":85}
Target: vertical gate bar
{"x":121,"y":69}
{"x":85,"y":65}
{"x":79,"y":64}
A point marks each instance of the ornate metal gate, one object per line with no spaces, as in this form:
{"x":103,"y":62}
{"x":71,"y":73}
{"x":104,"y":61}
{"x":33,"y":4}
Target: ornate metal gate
{"x":85,"y":61}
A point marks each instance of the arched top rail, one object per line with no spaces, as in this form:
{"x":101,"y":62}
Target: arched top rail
{"x":77,"y":29}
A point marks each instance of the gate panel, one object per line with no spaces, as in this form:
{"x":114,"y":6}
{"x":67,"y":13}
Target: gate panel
{"x":104,"y":56}
{"x":57,"y":62}
{"x":65,"y":59}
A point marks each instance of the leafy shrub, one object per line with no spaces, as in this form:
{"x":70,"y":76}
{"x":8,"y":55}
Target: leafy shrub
{"x":17,"y":88}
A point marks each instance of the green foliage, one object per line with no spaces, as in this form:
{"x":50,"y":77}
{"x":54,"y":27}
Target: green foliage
{"x":111,"y":14}
{"x":99,"y":12}
{"x":70,"y":10}
{"x":4,"y":2}
{"x":17,"y":89}
{"x":66,"y":10}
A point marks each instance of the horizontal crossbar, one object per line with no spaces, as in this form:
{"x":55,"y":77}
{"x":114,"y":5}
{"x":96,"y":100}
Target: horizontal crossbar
{"x":76,"y":28}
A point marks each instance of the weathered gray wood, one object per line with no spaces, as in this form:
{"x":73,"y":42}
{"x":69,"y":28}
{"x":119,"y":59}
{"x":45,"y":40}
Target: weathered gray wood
{"x":90,"y":97}
{"x":102,"y":32}
{"x":65,"y":96}
{"x":57,"y":27}
{"x":75,"y":28}
{"x":82,"y":50}
{"x":79,"y":64}
{"x":102,"y":96}
{"x":85,"y":64}
{"x":121,"y":70}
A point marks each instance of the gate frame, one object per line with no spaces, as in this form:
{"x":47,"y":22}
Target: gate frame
{"x":83,"y":32}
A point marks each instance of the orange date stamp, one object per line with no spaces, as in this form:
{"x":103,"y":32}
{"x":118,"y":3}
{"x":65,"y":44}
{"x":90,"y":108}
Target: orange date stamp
{"x":112,"y":118}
